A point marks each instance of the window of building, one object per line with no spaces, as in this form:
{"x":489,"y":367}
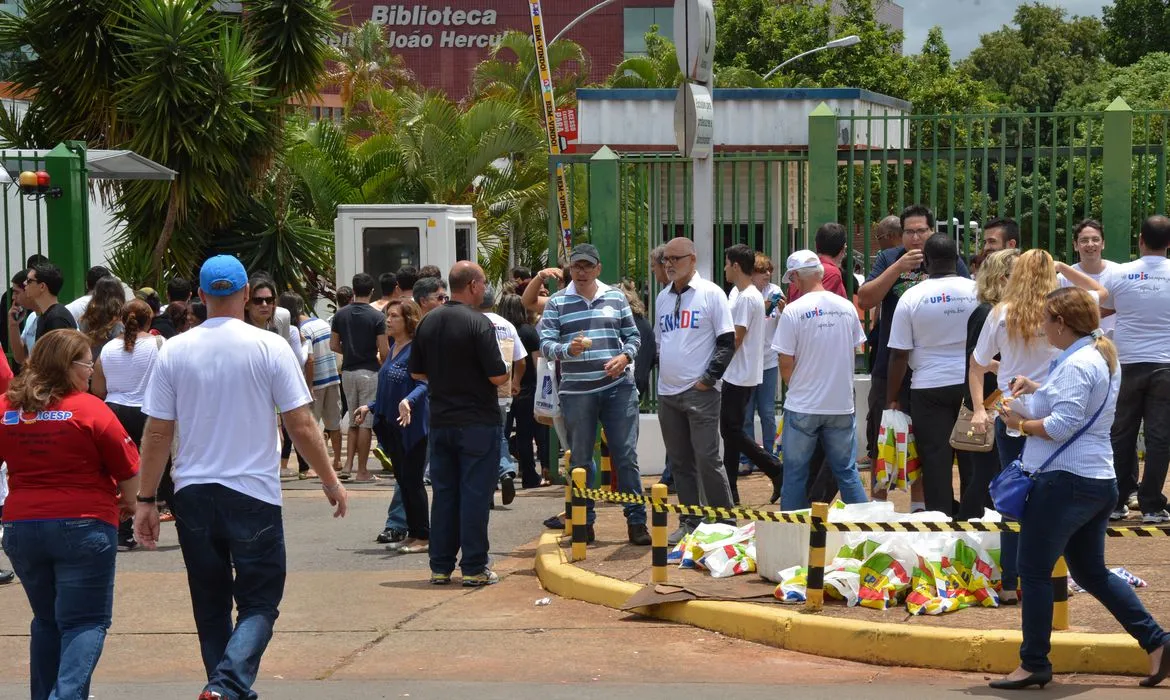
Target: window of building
{"x":638,"y":20}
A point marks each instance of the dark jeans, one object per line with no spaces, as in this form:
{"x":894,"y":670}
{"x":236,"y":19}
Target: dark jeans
{"x":409,"y":466}
{"x":465,"y":464}
{"x":1067,"y":514}
{"x":1009,"y":450}
{"x":736,"y":441}
{"x":221,"y":530}
{"x":67,"y":570}
{"x":934,"y":412}
{"x":1144,"y":394}
{"x":528,"y":431}
{"x":616,"y":408}
{"x":133,"y":420}
{"x":873,"y":421}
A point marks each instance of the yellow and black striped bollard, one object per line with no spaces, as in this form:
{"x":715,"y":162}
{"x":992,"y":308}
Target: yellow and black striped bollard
{"x":1060,"y":595}
{"x":606,"y":465}
{"x":568,"y":496}
{"x":817,"y":536}
{"x":658,"y":549}
{"x":579,"y":526}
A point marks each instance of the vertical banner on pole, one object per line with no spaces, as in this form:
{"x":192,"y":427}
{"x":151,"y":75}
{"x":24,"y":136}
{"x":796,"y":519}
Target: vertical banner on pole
{"x":550,"y":123}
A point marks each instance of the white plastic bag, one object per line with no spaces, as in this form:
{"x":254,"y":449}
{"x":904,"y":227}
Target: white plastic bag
{"x":548,"y":400}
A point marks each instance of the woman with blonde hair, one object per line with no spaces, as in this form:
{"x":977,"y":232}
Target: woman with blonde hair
{"x":61,"y":516}
{"x":1014,"y":331}
{"x":1066,"y":421}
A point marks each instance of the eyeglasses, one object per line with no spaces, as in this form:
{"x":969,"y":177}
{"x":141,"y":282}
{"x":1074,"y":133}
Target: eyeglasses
{"x":31,"y":280}
{"x":442,"y":297}
{"x":87,"y":365}
{"x":263,"y":301}
{"x":916,"y":232}
{"x":676,"y":259}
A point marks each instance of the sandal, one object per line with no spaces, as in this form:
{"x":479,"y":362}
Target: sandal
{"x":372,"y":480}
{"x":417,"y":548}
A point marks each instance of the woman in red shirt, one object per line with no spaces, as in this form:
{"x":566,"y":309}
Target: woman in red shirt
{"x":72,"y":473}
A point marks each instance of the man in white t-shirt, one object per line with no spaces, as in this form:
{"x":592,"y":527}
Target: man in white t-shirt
{"x":506,"y":331}
{"x":928,"y":334}
{"x":745,"y":372}
{"x":223,"y":383}
{"x":1090,"y":244}
{"x":816,"y":340}
{"x":1139,"y":292}
{"x":763,"y":401}
{"x":696,"y":341}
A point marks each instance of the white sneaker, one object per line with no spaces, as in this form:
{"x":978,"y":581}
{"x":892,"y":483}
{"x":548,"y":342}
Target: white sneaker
{"x":1119,"y":513}
{"x":1156,"y":518}
{"x":1133,"y":501}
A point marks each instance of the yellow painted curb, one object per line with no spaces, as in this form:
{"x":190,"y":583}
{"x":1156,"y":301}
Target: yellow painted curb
{"x":992,"y":651}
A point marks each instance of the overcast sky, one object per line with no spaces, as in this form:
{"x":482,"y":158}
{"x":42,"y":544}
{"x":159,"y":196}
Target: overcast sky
{"x":964,"y":20}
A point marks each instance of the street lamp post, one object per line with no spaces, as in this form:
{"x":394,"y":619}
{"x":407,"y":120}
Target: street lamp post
{"x":841,"y":43}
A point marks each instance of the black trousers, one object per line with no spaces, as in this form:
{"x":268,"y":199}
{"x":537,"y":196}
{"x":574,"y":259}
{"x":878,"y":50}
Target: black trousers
{"x":528,"y":431}
{"x":134,"y":421}
{"x":1144,"y":395}
{"x":409,"y":466}
{"x":873,"y":420}
{"x":934,"y":412}
{"x":286,"y":447}
{"x":732,"y":413}
{"x":981,"y":468}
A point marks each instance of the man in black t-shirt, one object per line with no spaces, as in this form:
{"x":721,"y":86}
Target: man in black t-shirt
{"x":359,"y":334}
{"x":41,"y":288}
{"x":456,"y":353}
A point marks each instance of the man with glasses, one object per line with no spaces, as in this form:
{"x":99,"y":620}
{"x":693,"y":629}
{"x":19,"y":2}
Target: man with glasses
{"x":359,"y":334}
{"x":696,"y":341}
{"x":590,"y":329}
{"x":429,"y":293}
{"x":456,"y":353}
{"x":41,"y":288}
{"x":895,"y":271}
{"x":888,"y":232}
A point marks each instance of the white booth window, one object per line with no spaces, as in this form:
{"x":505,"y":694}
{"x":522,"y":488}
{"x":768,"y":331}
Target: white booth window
{"x":463,"y":249}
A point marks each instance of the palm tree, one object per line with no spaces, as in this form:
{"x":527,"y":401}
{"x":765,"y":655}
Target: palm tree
{"x":367,"y":63}
{"x":510,"y":70}
{"x":657,"y":69}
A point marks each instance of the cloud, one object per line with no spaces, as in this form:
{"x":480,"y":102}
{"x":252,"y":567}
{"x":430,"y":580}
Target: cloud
{"x":963,"y":21}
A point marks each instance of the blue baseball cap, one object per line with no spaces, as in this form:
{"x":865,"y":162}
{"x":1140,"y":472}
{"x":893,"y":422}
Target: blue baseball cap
{"x":222,"y":275}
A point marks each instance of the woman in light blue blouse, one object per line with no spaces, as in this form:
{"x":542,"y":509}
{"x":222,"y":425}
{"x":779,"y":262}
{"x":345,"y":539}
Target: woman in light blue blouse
{"x":1066,"y":421}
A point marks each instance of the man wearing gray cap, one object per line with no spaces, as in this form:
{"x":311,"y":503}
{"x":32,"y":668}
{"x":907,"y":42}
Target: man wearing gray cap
{"x":590,"y":329}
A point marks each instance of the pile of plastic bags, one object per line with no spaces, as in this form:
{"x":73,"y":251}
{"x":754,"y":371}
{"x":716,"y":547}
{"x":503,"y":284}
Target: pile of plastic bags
{"x":897,"y":465}
{"x":723,"y":550}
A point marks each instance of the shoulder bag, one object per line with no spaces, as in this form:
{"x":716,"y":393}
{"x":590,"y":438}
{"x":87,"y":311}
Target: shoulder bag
{"x":1010,"y":488}
{"x":963,"y":435}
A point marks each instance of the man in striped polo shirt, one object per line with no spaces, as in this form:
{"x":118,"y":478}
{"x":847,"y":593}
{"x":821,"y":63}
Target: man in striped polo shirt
{"x":591,"y":330}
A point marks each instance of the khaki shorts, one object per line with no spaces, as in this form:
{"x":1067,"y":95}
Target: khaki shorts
{"x":361,"y":388}
{"x":327,"y":406}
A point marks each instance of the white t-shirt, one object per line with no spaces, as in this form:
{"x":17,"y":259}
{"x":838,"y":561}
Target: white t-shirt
{"x":686,"y":342}
{"x":223,"y":383}
{"x":77,"y":306}
{"x":504,"y":330}
{"x":821,"y":330}
{"x":747,"y":365}
{"x":1140,"y":293}
{"x":128,"y":373}
{"x":1015,"y":358}
{"x":931,"y":322}
{"x":1109,"y":322}
{"x":771,"y":320}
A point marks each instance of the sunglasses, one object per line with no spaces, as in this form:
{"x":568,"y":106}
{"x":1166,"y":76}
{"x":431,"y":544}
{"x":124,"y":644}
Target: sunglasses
{"x":87,"y":365}
{"x":263,"y":301}
{"x":675,"y":259}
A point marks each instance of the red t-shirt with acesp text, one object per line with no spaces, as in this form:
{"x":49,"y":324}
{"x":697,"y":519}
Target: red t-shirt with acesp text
{"x":65,"y":461}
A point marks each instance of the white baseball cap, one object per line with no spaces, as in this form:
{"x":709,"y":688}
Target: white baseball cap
{"x":800,"y":260}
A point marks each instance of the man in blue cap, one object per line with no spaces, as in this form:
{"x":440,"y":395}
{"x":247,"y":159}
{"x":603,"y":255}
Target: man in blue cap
{"x":222,"y":383}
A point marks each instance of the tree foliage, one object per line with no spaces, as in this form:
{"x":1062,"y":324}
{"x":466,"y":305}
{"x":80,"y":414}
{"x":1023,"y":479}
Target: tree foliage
{"x":1134,"y":28}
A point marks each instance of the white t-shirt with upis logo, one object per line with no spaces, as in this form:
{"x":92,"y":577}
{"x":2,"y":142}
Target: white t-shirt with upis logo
{"x":821,"y":330}
{"x":931,"y":322}
{"x":222,"y":383}
{"x":1140,"y":293}
{"x":747,"y":366}
{"x":686,"y":341}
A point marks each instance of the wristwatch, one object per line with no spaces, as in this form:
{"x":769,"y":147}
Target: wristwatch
{"x":146,"y":499}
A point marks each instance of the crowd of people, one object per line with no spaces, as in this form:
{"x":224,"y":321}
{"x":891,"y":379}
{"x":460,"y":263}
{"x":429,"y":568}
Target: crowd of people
{"x":436,"y":379}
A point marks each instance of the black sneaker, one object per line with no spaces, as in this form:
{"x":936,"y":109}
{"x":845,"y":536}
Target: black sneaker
{"x":127,"y":544}
{"x":508,"y":489}
{"x":639,"y":535}
{"x":7,"y":576}
{"x":590,"y":535}
{"x":390,"y":536}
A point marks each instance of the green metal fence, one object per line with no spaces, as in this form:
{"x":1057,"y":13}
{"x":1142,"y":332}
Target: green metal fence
{"x":25,"y":232}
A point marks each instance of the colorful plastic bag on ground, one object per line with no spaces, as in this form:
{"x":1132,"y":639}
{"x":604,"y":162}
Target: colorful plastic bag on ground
{"x":842,"y":582}
{"x":959,"y":576}
{"x":897,"y":465}
{"x":884,"y":579}
{"x":723,"y":550}
{"x":730,"y":560}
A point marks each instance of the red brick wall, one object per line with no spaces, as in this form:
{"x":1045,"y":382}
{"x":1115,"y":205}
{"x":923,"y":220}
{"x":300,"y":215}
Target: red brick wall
{"x":447,"y":65}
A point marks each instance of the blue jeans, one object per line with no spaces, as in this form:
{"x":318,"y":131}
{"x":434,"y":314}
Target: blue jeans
{"x":464,"y":471}
{"x":67,"y":570}
{"x":617,"y":410}
{"x":1067,"y":514}
{"x":838,"y":436}
{"x":1009,"y":449}
{"x":507,"y":464}
{"x":763,"y":402}
{"x":395,"y":513}
{"x":221,"y":532}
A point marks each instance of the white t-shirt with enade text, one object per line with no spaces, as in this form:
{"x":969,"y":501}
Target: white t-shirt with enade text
{"x":1108,"y":323}
{"x":1140,"y":293}
{"x":931,"y":322}
{"x":686,"y":340}
{"x":222,"y":383}
{"x":747,"y":365}
{"x":1016,"y":358}
{"x":820,"y":330}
